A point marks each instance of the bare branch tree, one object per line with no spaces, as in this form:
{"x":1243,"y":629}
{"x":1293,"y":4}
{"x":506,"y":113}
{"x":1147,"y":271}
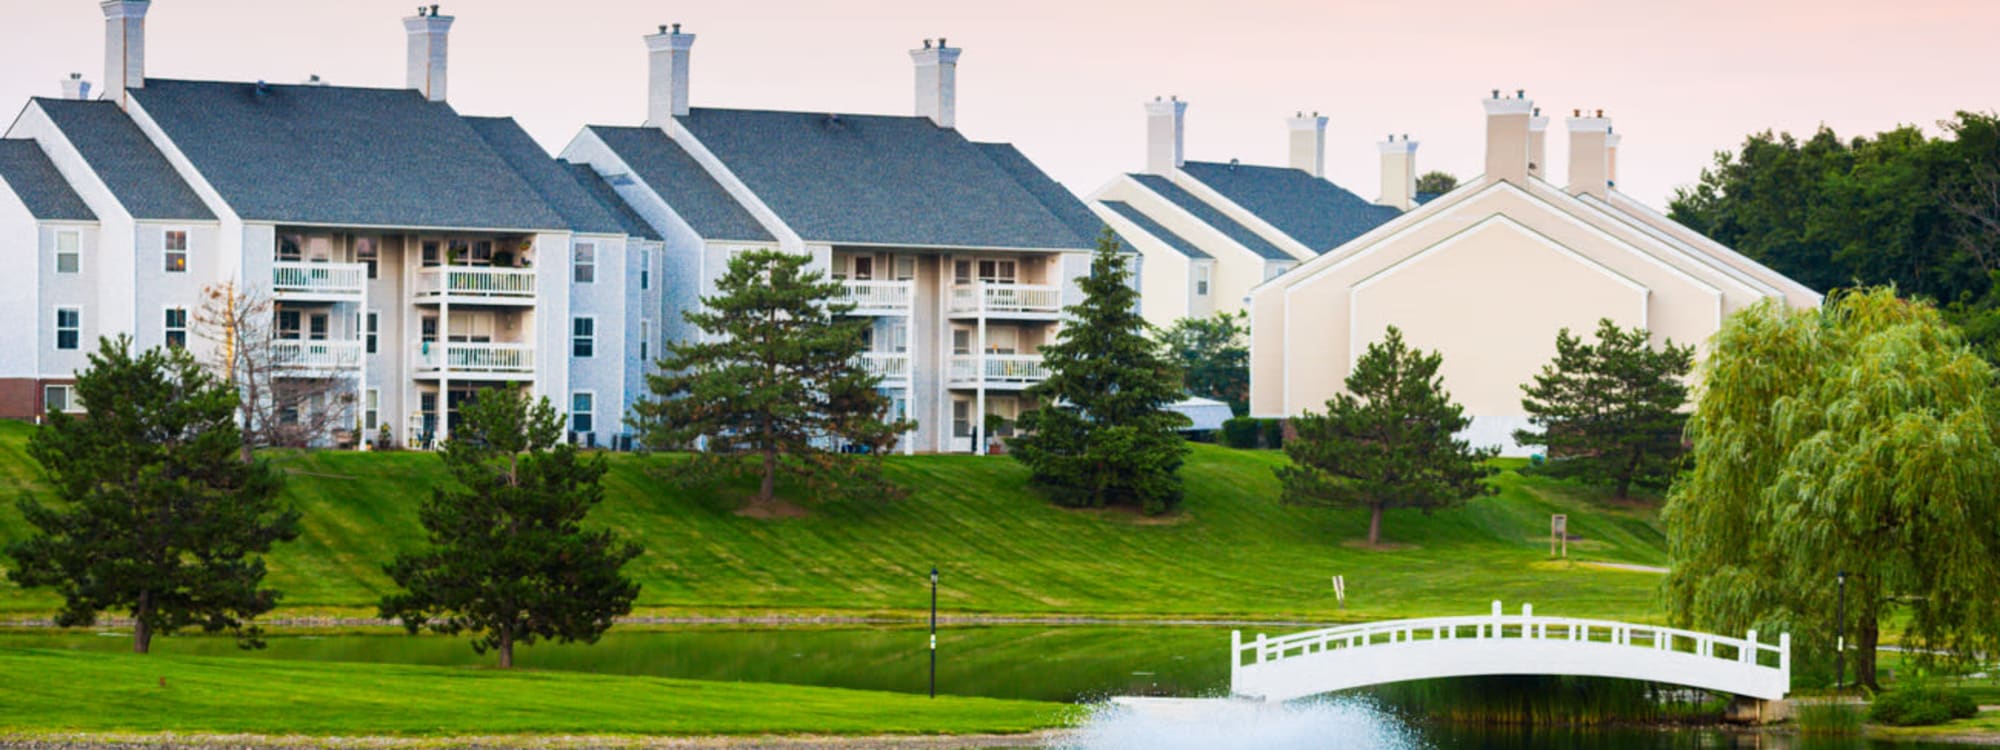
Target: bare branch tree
{"x":290,"y":391}
{"x":1977,"y":205}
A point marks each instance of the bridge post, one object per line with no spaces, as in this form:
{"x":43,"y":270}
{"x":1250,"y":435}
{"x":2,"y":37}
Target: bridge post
{"x":1749,"y":655}
{"x":1235,"y":655}
{"x":1785,"y":655}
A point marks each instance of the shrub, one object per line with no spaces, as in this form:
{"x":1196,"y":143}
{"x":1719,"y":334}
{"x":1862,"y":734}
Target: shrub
{"x":1274,"y":433}
{"x":1918,"y":704}
{"x":1827,"y":716}
{"x":1241,"y":432}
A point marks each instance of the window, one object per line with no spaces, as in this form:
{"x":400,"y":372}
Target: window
{"x":457,"y":252}
{"x":60,"y":398}
{"x":69,"y":327}
{"x":430,"y":328}
{"x":1003,"y":340}
{"x":367,"y":253}
{"x":288,"y":324}
{"x":996,"y":271}
{"x":906,"y":268}
{"x":864,"y":268}
{"x":583,"y":337}
{"x":1201,"y":275}
{"x":961,"y":341}
{"x":317,"y":327}
{"x":899,"y":335}
{"x":176,"y":244}
{"x":291,"y":247}
{"x":645,"y":270}
{"x":371,"y":410}
{"x":581,"y":406}
{"x":177,"y":327}
{"x":482,"y":253}
{"x":69,"y":252}
{"x":374,"y":326}
{"x":585,"y":269}
{"x":430,"y":252}
{"x":645,"y":338}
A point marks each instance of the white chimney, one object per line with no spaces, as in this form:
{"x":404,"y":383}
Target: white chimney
{"x":1507,"y":137}
{"x":1308,"y":143}
{"x":667,"y":56}
{"x":1589,"y":154}
{"x":1538,"y":145}
{"x":74,"y":87}
{"x":1166,"y":126}
{"x":937,"y":82}
{"x":428,"y":31}
{"x":124,"y":47}
{"x":1399,"y":173}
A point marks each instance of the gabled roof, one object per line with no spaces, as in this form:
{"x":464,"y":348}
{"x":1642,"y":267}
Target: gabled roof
{"x":873,"y":179}
{"x":1149,"y":226}
{"x":1059,"y":201}
{"x":683,"y":184}
{"x":1209,"y":215}
{"x":606,"y":196}
{"x":137,"y":174}
{"x":545,"y":176}
{"x":342,"y":155}
{"x":27,"y":171}
{"x":1316,"y":212}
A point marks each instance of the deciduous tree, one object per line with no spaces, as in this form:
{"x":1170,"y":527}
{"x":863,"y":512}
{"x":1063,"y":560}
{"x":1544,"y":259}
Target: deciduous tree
{"x":1436,"y":183}
{"x":1388,"y":442}
{"x":1610,"y":411}
{"x":285,"y":399}
{"x":509,"y":556}
{"x":1103,"y":435}
{"x":1213,"y":354}
{"x":159,"y":517}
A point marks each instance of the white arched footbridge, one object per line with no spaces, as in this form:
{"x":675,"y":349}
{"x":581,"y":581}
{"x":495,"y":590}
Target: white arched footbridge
{"x":1353,"y":656}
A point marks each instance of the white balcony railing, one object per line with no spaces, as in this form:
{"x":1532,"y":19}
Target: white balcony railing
{"x":470,"y":358}
{"x":297,"y":279}
{"x":889,"y":366}
{"x":999,"y":369}
{"x":474,"y":281}
{"x":1006,"y":299}
{"x":298,"y":356}
{"x":871,"y":297}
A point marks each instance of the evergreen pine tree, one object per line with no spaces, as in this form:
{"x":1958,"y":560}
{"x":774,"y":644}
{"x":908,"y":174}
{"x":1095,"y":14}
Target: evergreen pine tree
{"x":160,"y":516}
{"x":1103,"y":435}
{"x":776,"y":376}
{"x":1610,"y":412}
{"x":1387,"y":442}
{"x":509,"y":558}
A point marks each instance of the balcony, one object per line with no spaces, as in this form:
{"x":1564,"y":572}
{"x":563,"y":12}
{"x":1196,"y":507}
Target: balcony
{"x":473,"y":361}
{"x":298,"y":281}
{"x":476,"y":285}
{"x":892,"y":367}
{"x":296,"y":358}
{"x":1020,"y":301}
{"x":879,"y":297}
{"x":997,"y":371}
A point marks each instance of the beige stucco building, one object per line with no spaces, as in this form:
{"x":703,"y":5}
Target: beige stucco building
{"x":1490,"y":272}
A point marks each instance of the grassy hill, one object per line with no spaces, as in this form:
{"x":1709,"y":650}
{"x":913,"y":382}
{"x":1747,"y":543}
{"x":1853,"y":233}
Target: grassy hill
{"x":1232,"y":552}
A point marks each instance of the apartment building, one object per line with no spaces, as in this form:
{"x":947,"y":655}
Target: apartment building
{"x":410,"y":255}
{"x":962,"y":255}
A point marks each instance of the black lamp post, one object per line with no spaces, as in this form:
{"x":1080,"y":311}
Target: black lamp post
{"x":1840,"y":634}
{"x":934,"y":577}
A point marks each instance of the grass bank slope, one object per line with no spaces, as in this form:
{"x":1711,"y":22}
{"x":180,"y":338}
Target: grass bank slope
{"x":92,"y":692}
{"x":1231,"y":552}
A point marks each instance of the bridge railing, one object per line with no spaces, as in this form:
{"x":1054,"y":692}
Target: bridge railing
{"x":1499,"y":626}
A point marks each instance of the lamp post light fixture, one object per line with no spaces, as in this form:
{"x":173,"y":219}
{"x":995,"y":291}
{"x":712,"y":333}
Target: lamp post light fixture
{"x":934,"y":579}
{"x":1840,"y":633}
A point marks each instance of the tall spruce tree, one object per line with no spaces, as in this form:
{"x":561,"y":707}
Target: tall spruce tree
{"x":1387,"y":442}
{"x":509,"y":557}
{"x":160,"y":517}
{"x":1103,"y":435}
{"x":777,"y":377}
{"x":1610,"y":412}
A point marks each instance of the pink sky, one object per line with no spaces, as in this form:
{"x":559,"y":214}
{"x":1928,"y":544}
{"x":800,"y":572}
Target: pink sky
{"x":1064,"y":79}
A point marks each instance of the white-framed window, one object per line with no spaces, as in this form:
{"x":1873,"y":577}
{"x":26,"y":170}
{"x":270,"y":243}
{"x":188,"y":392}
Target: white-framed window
{"x":583,"y":336}
{"x":289,"y":324}
{"x":584,"y":270}
{"x":906,"y":267}
{"x":69,"y":252}
{"x":989,"y":270}
{"x":864,"y":268}
{"x":431,"y":252}
{"x":582,"y":412}
{"x":174,"y":249}
{"x":176,"y":327}
{"x":291,"y":247}
{"x":1203,"y":272}
{"x":61,"y":398}
{"x":645,"y":341}
{"x":367,"y":253}
{"x":371,"y":410}
{"x":69,"y":327}
{"x":316,"y":326}
{"x":645,"y":269}
{"x":370,"y":329}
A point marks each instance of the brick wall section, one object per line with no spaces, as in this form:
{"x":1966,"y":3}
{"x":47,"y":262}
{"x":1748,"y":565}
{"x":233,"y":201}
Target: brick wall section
{"x":20,"y":398}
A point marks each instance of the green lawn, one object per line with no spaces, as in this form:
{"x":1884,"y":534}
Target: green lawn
{"x":42,"y":690}
{"x":1232,"y":552}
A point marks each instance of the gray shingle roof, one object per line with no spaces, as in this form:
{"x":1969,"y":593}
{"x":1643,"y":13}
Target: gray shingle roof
{"x":877,"y":179}
{"x":606,"y":196}
{"x":545,"y":175}
{"x":34,"y":179}
{"x":341,"y":155}
{"x":683,"y":184}
{"x":1149,"y":226}
{"x":1059,"y":201}
{"x":1213,"y":217}
{"x":1316,"y":212}
{"x":135,"y":171}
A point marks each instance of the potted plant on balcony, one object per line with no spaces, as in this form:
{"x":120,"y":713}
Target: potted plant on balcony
{"x":383,"y":440}
{"x":998,"y":428}
{"x":503,"y":259}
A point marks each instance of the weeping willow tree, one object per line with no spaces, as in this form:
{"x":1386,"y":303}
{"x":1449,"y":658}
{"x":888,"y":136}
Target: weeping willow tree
{"x":1860,"y":438}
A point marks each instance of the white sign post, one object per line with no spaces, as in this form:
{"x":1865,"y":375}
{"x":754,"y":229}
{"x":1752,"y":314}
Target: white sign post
{"x":1559,"y":535}
{"x":1340,"y":590}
